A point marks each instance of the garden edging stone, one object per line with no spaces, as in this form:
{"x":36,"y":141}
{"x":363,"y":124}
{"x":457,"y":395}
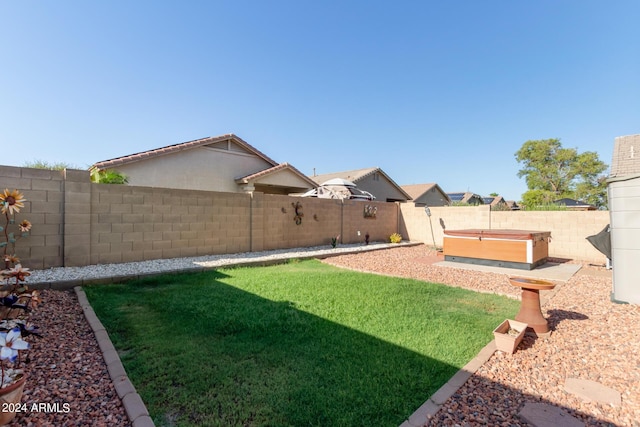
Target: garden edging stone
{"x":429,"y":408}
{"x":131,"y":400}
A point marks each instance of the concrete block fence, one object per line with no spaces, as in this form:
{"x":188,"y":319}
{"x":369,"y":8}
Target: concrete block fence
{"x":78,"y":223}
{"x":569,"y":229}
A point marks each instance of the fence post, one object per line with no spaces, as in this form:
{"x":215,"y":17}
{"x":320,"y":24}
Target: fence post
{"x":76,"y":210}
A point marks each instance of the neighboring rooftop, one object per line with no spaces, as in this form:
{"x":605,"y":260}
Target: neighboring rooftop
{"x":359,"y":176}
{"x":228,"y":139}
{"x":466,"y":197}
{"x":574,"y":204}
{"x":626,"y":156}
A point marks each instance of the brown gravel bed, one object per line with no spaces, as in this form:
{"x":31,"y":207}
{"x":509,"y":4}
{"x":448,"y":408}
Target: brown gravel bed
{"x":67,"y":367}
{"x":592,"y":339}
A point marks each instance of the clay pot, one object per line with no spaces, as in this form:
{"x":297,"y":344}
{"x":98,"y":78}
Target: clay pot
{"x":10,"y":396}
{"x":508,"y":342}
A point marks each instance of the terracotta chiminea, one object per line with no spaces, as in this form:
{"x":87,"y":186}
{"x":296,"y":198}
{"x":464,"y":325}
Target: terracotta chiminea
{"x":530,"y":311}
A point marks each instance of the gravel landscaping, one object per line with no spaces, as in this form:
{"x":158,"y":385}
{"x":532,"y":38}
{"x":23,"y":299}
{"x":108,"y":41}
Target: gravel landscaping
{"x":592,"y":339}
{"x":66,"y":367}
{"x":93,"y":272}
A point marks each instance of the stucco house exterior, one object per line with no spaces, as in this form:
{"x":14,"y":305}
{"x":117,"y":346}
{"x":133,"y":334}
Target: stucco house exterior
{"x":429,"y":194}
{"x":223,"y":163}
{"x":373,"y":180}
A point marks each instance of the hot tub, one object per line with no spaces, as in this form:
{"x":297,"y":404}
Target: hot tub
{"x":520,"y":249}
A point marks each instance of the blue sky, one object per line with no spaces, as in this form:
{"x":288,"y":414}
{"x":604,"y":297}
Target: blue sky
{"x":429,"y":91}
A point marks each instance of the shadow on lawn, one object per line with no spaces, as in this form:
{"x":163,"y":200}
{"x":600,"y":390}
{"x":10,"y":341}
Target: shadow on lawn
{"x":235,"y":358}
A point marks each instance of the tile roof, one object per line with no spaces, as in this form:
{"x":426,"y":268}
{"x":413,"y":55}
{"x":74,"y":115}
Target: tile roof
{"x":144,"y":155}
{"x":275,"y":169}
{"x":497,"y":200}
{"x":417,"y":190}
{"x":357,"y":175}
{"x":464,"y":197}
{"x":352,"y":175}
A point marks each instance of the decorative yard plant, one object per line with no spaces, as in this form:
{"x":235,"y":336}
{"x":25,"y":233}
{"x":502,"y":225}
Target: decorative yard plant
{"x":15,"y":298}
{"x":395,"y":238}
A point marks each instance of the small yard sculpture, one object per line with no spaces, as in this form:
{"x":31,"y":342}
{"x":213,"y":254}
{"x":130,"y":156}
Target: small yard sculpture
{"x":370,"y":211}
{"x":298,"y":208}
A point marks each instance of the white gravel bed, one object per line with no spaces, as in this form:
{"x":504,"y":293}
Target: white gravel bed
{"x":99,"y":271}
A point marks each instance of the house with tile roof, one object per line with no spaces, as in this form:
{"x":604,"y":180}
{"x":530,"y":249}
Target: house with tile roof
{"x":373,"y":180}
{"x":466,"y":198}
{"x":223,"y":163}
{"x":512,"y":205}
{"x":494,"y":201}
{"x":429,"y":194}
{"x":574,"y":205}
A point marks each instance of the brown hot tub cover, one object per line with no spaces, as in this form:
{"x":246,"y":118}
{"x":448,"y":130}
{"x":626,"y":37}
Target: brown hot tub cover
{"x":497,"y":234}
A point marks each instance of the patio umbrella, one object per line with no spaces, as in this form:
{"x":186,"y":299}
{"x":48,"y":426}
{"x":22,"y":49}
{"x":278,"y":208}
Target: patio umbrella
{"x":339,"y":181}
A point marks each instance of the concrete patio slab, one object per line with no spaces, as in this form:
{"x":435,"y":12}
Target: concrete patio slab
{"x":590,"y":391}
{"x":545,"y":415}
{"x":549,"y":271}
{"x":429,"y":408}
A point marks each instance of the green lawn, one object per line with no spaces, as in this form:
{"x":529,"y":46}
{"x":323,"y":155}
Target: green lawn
{"x":297,"y":344}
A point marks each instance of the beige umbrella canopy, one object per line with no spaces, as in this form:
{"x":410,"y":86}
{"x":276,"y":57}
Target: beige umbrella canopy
{"x":338,"y":181}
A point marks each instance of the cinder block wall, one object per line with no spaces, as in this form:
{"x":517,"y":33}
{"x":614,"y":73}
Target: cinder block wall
{"x":291,"y":222}
{"x":321,"y":220}
{"x":380,"y":227}
{"x":131,"y":223}
{"x":569,"y":229}
{"x":44,"y":191}
{"x":417,"y":226}
{"x":78,"y":223}
{"x":76,"y":233}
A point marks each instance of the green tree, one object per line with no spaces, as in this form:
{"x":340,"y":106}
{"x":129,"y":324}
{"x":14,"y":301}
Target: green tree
{"x":108,"y":176}
{"x":553,"y":172}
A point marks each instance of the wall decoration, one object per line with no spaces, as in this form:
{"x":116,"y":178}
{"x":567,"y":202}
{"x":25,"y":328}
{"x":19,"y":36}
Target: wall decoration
{"x":298,"y":208}
{"x":370,"y":211}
